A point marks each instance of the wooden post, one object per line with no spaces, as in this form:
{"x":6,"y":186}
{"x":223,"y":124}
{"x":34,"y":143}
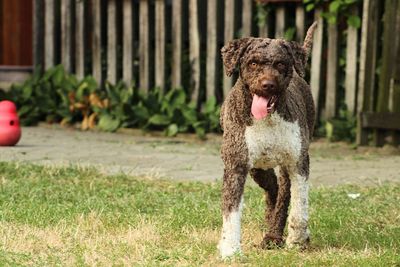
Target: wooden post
{"x":351,"y":66}
{"x":331,"y":81}
{"x":177,"y":43}
{"x":38,"y":33}
{"x":127,"y":68}
{"x":247,"y":18}
{"x":316,"y":58}
{"x":396,"y":78}
{"x":80,"y":37}
{"x":112,"y":41}
{"x":160,"y":44}
{"x":280,"y":22}
{"x":66,"y":34}
{"x":366,"y":77}
{"x":194,"y":50}
{"x":211,"y":48}
{"x":388,"y":64}
{"x":300,"y":23}
{"x":49,"y":28}
{"x":228,"y":36}
{"x":96,"y":41}
{"x":144,"y":46}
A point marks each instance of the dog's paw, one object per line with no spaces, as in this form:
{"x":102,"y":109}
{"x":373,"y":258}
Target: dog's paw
{"x":271,"y":242}
{"x":298,"y":243}
{"x":228,"y":249}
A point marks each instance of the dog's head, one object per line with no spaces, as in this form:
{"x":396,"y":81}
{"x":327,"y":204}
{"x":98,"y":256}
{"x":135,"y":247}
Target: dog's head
{"x":266,"y":67}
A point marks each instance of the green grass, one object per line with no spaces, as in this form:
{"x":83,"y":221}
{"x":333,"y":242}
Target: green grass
{"x":72,"y":216}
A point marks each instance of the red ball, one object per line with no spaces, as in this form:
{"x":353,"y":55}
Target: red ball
{"x":10,"y":130}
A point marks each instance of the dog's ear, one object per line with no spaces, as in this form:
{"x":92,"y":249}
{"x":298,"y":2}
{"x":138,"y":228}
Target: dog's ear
{"x":232,"y":52}
{"x":299,"y":57}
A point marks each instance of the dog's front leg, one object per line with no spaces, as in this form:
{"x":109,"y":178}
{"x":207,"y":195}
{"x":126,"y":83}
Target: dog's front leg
{"x":232,"y":204}
{"x":298,"y":233}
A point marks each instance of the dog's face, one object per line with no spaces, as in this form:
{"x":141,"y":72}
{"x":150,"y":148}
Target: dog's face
{"x":266,"y":68}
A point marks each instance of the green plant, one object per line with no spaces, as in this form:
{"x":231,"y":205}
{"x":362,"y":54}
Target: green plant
{"x":342,"y":128}
{"x":58,"y":97}
{"x":335,"y":10}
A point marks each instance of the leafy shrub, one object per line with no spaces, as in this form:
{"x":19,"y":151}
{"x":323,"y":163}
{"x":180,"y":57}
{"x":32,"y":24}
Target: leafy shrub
{"x":58,"y":97}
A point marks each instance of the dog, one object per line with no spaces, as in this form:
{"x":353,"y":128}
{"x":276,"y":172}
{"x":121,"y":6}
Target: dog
{"x":267,"y":121}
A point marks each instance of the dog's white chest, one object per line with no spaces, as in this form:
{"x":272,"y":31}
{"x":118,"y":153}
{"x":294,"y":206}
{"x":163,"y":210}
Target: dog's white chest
{"x":273,"y":141}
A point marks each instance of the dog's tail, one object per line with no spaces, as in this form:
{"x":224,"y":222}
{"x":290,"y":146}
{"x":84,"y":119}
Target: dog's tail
{"x":309,"y":39}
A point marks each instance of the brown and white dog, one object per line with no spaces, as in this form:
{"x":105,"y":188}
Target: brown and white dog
{"x":268,"y":120}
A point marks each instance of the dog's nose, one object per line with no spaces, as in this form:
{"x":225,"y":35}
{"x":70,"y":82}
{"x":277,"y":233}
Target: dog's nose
{"x":268,"y":85}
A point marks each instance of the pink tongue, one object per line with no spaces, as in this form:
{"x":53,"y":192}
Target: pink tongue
{"x":259,"y":107}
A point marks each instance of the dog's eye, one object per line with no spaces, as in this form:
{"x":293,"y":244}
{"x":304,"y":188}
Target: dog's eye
{"x":253,"y":64}
{"x":280,"y":66}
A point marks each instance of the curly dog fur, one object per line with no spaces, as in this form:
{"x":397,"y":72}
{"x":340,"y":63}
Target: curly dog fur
{"x":268,"y":119}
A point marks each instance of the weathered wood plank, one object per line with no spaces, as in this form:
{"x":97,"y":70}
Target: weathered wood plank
{"x":177,"y":43}
{"x":211,"y":79}
{"x":381,"y":120}
{"x":366,"y":77}
{"x":96,"y":41}
{"x":300,"y":18}
{"x":229,"y":34}
{"x":396,"y":78}
{"x":144,"y":46}
{"x":66,"y":34}
{"x":388,"y":64}
{"x":247,"y":18}
{"x":351,"y":66}
{"x":127,"y":43}
{"x":280,"y":22}
{"x":112,"y":41}
{"x":160,"y":44}
{"x":316,"y":58}
{"x":80,"y":37}
{"x":331,"y":81}
{"x":38,"y":33}
{"x":49,"y":41}
{"x":194,"y":50}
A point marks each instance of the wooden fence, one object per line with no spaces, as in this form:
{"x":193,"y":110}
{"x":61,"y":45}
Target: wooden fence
{"x":176,"y":43}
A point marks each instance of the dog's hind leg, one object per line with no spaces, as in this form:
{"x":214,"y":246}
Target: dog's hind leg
{"x":277,"y":197}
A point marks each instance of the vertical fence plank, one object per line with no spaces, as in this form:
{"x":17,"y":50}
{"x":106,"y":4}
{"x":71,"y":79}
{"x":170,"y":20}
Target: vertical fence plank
{"x":112,"y":41}
{"x":80,"y":39}
{"x":316,"y":58}
{"x":96,"y":41}
{"x":49,"y":42}
{"x":211,"y":48}
{"x":388,"y":64}
{"x":366,"y":77}
{"x":300,"y":23}
{"x":177,"y":43}
{"x":38,"y":34}
{"x":280,"y":22}
{"x":194,"y":50}
{"x":229,"y":33}
{"x":396,"y":77}
{"x":66,"y":34}
{"x":144,"y":46}
{"x":332,"y":80}
{"x":247,"y":18}
{"x":127,"y":43}
{"x":160,"y":44}
{"x":351,"y":66}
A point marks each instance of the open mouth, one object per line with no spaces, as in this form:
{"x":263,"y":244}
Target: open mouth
{"x":262,"y":106}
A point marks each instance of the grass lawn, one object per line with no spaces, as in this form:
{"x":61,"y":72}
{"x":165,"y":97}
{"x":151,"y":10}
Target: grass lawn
{"x":72,"y":216}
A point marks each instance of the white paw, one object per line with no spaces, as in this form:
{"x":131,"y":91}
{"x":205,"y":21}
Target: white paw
{"x":300,"y":239}
{"x":228,"y":248}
